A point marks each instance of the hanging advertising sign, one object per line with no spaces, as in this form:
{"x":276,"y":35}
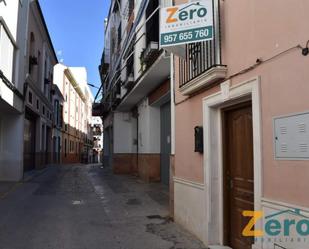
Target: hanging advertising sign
{"x":186,"y":23}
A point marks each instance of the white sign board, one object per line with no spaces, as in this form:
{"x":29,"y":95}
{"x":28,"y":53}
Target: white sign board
{"x":186,"y":23}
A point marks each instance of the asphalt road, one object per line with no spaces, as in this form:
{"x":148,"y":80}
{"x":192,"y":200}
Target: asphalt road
{"x":86,"y":207}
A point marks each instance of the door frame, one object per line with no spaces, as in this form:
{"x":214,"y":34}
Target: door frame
{"x":213,"y":156}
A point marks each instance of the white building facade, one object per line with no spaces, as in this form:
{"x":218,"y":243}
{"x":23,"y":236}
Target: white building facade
{"x":76,"y":114}
{"x":57,"y":101}
{"x":136,"y":104}
{"x":39,"y":61}
{"x":98,"y":137}
{"x":13,"y":33}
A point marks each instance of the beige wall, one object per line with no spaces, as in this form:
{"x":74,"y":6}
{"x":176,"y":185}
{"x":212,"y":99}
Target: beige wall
{"x":77,"y":107}
{"x":75,"y":115}
{"x":40,"y":103}
{"x":251,"y":30}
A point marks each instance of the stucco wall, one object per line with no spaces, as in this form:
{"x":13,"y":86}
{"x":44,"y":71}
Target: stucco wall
{"x":251,"y":30}
{"x":11,"y":147}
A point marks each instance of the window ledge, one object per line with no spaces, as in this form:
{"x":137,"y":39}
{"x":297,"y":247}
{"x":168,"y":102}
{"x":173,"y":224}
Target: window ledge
{"x":204,"y":80}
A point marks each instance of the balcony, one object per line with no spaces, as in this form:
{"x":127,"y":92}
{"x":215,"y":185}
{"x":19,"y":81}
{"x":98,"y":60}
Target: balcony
{"x":151,"y":78}
{"x":99,"y":109}
{"x":202,"y":65}
{"x":116,"y":94}
{"x":150,"y":54}
{"x":103,"y":68}
{"x":97,"y":133}
{"x":155,"y":64}
{"x":128,"y":14}
{"x":129,"y":81}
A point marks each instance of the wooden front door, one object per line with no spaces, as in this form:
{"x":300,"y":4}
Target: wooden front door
{"x":238,"y":178}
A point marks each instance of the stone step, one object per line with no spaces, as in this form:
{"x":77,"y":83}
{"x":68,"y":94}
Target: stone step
{"x":219,"y":247}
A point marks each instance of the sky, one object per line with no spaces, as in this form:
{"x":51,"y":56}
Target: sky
{"x":77,"y":32}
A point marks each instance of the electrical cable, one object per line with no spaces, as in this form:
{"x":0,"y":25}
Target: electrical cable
{"x":131,"y":35}
{"x":258,"y":62}
{"x":10,"y":85}
{"x":128,"y":57}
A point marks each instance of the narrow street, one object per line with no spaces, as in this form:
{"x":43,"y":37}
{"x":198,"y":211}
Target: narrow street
{"x":87,"y":207}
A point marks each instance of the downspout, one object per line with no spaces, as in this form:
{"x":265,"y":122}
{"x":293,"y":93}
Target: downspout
{"x":172,"y":156}
{"x":137,"y":143}
{"x":172,"y":77}
{"x":135,"y":115}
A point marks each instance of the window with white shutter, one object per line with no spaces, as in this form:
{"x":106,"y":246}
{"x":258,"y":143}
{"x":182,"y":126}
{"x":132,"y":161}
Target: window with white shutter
{"x":6,"y":54}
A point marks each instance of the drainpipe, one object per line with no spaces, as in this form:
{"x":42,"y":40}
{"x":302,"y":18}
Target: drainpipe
{"x":137,"y":143}
{"x":216,"y":8}
{"x":135,"y":115}
{"x":172,"y":105}
{"x":172,"y":87}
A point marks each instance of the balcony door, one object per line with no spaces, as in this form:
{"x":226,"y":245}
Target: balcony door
{"x":152,"y":26}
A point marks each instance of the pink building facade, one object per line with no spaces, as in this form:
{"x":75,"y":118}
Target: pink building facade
{"x":251,"y":102}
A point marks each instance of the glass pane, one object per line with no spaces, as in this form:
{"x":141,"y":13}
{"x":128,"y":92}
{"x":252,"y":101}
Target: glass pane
{"x":6,"y":54}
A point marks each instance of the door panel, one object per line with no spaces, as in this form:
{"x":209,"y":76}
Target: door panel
{"x":239,"y":179}
{"x":165,"y":142}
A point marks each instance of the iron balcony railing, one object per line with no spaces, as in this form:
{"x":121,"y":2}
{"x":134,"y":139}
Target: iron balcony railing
{"x":201,"y":56}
